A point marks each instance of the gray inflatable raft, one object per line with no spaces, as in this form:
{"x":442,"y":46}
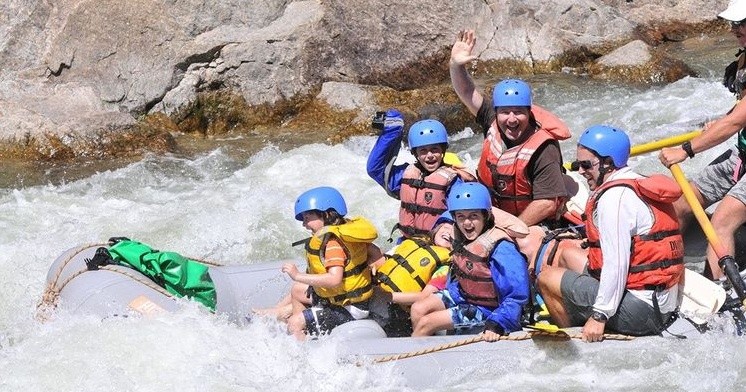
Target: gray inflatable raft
{"x":119,"y":291}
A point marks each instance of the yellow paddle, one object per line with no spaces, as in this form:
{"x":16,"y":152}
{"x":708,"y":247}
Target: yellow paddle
{"x":726,"y":262}
{"x":658,"y":144}
{"x":667,"y":142}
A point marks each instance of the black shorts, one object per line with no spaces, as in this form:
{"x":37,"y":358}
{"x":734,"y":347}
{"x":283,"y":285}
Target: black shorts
{"x":322,"y":318}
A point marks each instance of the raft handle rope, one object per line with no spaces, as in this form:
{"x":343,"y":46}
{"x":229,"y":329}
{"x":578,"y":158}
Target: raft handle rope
{"x":50,"y":296}
{"x":479,"y":338}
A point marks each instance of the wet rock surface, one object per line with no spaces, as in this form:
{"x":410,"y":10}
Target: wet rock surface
{"x":85,"y":79}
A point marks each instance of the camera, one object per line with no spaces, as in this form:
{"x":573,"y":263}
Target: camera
{"x":378,"y":120}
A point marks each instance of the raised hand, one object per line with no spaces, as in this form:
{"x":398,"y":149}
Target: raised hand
{"x":461,"y":52}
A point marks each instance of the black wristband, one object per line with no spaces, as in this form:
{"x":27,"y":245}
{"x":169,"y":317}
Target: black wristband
{"x":599,"y":316}
{"x":687,"y":147}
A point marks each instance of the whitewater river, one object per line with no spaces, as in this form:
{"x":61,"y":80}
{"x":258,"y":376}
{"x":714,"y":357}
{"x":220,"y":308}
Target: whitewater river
{"x":238,"y":210}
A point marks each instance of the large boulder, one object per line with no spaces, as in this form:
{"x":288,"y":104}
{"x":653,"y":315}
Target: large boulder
{"x":83,"y":68}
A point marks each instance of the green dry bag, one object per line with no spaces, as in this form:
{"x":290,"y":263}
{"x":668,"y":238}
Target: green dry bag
{"x":172,"y":271}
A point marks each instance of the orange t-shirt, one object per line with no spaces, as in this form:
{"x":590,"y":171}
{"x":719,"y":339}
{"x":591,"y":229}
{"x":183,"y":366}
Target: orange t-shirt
{"x":334,"y":254}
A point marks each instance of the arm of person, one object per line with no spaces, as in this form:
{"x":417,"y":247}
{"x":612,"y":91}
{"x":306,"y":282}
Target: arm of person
{"x":510,"y":276}
{"x":376,"y":258}
{"x":538,"y":210}
{"x":463,"y":85}
{"x":335,"y":260}
{"x":545,"y":173}
{"x":332,"y":278}
{"x":380,"y":165}
{"x":715,"y":133}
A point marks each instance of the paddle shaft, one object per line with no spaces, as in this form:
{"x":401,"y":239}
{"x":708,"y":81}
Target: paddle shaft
{"x":726,"y":262}
{"x":658,"y":144}
{"x":663,"y":143}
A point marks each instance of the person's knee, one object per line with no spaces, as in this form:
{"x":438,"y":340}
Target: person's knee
{"x":423,"y":326}
{"x":548,"y":280}
{"x":296,"y":323}
{"x":418,"y":310}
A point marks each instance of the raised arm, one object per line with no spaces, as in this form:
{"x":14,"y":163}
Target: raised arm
{"x":463,"y":85}
{"x":715,"y":133}
{"x":380,"y":164}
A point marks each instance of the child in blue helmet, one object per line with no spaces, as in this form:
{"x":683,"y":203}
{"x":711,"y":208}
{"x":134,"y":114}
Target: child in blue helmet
{"x":488,"y":283}
{"x":414,"y":271}
{"x":337,"y":254}
{"x":423,"y":186}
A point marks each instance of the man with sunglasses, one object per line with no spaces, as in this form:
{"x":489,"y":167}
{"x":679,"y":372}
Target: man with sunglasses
{"x":723,"y":179}
{"x":521,"y":162}
{"x":634,"y":247}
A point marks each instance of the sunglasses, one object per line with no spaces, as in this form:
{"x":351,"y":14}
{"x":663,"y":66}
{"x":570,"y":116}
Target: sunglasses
{"x":735,"y":25}
{"x":585,"y":165}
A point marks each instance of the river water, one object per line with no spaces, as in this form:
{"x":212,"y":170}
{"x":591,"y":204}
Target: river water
{"x":237,"y":209}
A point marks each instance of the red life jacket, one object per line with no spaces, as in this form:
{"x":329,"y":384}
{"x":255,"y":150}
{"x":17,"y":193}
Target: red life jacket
{"x":423,"y":197}
{"x":470,"y":264}
{"x":504,"y":170}
{"x":657,"y":258}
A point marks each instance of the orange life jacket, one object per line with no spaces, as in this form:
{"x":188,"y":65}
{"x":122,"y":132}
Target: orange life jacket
{"x":423,"y":197}
{"x":470,"y":263}
{"x":657,"y":258}
{"x":504,"y":170}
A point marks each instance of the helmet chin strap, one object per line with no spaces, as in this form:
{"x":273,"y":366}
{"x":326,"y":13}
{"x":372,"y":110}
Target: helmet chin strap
{"x":603,"y":169}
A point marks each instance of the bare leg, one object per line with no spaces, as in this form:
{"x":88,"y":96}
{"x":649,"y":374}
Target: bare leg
{"x":297,"y":326}
{"x":571,"y":256}
{"x":548,"y":284}
{"x":297,"y":299}
{"x":729,"y":215}
{"x":300,"y":298}
{"x":530,"y":244}
{"x":433,"y":322}
{"x":425,"y":306}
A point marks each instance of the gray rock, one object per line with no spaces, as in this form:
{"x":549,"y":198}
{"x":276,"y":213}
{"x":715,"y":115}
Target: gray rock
{"x":84,"y":66}
{"x":635,"y":53}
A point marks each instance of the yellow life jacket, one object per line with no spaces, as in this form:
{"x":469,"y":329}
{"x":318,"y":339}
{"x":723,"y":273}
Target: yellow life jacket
{"x":354,"y":236}
{"x":411,"y":266}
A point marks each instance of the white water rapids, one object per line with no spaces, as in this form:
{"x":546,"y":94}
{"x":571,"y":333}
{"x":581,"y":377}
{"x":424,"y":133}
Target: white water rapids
{"x":239,"y":211}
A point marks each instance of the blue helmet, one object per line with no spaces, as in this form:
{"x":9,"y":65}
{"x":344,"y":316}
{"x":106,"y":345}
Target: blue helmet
{"x":607,"y":141}
{"x":427,"y":132}
{"x":321,"y":199}
{"x":445,"y":217}
{"x":469,"y":196}
{"x":511,"y":92}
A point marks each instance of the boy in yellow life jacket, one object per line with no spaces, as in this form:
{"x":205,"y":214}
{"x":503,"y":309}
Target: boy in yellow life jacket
{"x":416,"y":269}
{"x":337,"y":254}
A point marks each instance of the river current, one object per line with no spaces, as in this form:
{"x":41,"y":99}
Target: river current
{"x":237,"y":209}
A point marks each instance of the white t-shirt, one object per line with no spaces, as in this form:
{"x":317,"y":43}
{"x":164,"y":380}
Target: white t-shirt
{"x":620,"y":214}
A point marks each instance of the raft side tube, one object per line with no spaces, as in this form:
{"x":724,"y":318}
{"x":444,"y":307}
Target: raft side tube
{"x":358,"y":329}
{"x":241,"y":288}
{"x":114,"y":292}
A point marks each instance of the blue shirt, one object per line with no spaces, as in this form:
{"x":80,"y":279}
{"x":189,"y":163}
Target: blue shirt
{"x":508,"y":268}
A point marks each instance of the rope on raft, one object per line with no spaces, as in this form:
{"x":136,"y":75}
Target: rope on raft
{"x":479,"y":338}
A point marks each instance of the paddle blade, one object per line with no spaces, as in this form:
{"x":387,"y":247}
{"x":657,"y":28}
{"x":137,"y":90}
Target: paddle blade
{"x":701,"y":297}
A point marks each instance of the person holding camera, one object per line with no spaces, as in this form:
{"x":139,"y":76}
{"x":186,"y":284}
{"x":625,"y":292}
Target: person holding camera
{"x":422,"y":186}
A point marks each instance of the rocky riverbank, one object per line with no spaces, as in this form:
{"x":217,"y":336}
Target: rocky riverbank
{"x":102,"y":79}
